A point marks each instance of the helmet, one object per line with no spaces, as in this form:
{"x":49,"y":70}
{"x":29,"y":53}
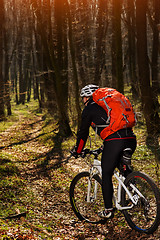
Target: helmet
{"x":88,"y":90}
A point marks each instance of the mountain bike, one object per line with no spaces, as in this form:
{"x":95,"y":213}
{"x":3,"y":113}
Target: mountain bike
{"x":135,"y":194}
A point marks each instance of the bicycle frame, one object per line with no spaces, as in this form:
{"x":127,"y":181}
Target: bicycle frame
{"x":96,"y":169}
{"x":136,"y":195}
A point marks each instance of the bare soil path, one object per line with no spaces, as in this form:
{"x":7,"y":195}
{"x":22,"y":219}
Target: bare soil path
{"x":49,"y":214}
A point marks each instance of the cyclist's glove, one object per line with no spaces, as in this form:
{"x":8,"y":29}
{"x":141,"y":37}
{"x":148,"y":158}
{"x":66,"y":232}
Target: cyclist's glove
{"x":74,"y":152}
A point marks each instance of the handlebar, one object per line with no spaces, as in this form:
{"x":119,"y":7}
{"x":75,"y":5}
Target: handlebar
{"x":95,"y":152}
{"x":83,"y":154}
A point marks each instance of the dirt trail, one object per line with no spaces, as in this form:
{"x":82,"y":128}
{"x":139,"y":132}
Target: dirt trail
{"x":51,"y":201}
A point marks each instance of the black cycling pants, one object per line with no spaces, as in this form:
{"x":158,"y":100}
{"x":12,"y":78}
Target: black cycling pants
{"x":110,"y":158}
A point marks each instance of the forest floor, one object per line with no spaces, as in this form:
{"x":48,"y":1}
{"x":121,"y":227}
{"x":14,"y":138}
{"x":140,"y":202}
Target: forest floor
{"x":33,"y":184}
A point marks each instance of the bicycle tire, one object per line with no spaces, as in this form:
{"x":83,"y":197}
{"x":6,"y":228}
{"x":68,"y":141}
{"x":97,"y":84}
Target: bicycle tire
{"x":86,"y":211}
{"x":145,"y":215}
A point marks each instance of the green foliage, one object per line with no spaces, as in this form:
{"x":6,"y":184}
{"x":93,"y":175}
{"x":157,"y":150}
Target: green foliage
{"x":12,"y":187}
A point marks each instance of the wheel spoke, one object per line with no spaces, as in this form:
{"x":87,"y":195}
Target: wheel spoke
{"x":87,"y":208}
{"x":144,"y":216}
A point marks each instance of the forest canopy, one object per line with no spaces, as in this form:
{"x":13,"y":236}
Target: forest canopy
{"x":52,"y":48}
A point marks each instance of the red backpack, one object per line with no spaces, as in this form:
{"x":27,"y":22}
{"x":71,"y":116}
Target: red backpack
{"x":119,"y":110}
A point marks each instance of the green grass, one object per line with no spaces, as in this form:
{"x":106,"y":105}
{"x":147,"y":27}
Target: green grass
{"x":12,"y":186}
{"x":17,"y":110}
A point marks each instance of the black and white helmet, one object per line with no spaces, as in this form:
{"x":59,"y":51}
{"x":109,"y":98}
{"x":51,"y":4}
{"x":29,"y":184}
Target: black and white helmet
{"x":88,"y":90}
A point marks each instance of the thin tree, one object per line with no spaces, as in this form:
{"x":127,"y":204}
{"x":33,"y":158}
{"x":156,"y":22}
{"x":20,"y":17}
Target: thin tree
{"x":149,"y":110}
{"x":7,"y":60}
{"x":155,"y":47}
{"x":100,"y":35}
{"x":2,"y":111}
{"x":131,"y":24}
{"x":117,"y":64}
{"x":73,"y":59}
{"x":60,"y":64}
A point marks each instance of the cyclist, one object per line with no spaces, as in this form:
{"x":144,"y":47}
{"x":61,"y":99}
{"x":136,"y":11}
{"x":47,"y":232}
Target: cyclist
{"x":114,"y":144}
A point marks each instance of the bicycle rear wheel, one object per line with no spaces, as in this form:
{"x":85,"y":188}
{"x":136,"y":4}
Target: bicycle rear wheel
{"x":145,"y":215}
{"x":87,"y":209}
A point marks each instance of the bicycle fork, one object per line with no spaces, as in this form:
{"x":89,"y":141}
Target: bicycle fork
{"x":97,"y":167}
{"x":89,"y":197}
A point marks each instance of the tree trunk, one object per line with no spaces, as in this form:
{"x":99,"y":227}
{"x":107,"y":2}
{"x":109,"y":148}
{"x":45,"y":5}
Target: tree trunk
{"x":150,"y":114}
{"x":61,"y":66}
{"x":132,"y":48}
{"x":117,"y":65}
{"x":75,"y":72}
{"x":155,"y":47}
{"x":55,"y":55}
{"x":2,"y":112}
{"x":6,"y":75}
{"x":101,"y":29}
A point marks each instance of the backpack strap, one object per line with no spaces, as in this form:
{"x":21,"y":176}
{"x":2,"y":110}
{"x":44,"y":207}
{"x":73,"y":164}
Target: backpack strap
{"x":96,"y":128}
{"x":125,"y":118}
{"x":108,"y":108}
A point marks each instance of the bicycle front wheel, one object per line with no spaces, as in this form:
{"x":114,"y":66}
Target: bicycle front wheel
{"x":86,"y":197}
{"x":145,"y":215}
